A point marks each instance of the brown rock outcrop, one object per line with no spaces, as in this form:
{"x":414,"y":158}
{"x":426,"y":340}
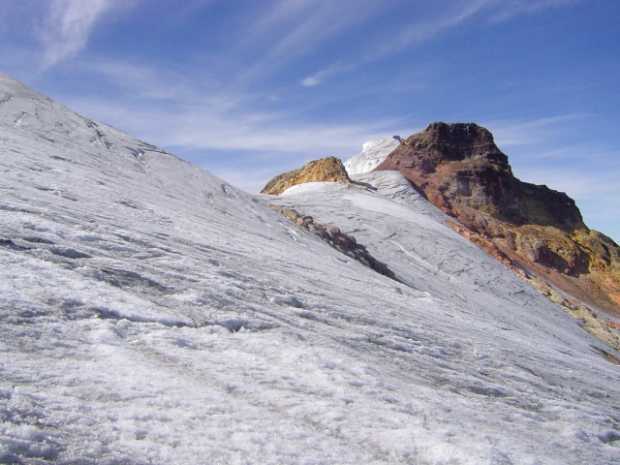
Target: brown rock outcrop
{"x":328,"y":169}
{"x":339,"y":240}
{"x":460,"y":169}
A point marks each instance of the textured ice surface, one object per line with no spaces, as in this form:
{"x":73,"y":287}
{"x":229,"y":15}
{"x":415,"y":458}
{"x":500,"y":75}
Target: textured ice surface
{"x":153,"y":314}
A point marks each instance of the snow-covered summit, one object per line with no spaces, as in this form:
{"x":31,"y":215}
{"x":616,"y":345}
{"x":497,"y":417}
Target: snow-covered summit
{"x":152,"y":313}
{"x":372,"y":154}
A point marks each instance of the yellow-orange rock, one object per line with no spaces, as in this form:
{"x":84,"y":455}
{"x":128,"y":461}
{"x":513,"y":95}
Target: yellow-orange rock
{"x":328,"y":169}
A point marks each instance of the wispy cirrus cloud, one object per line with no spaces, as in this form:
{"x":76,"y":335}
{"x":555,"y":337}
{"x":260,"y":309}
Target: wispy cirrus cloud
{"x":289,"y":29}
{"x":191,"y":115}
{"x":426,"y":27}
{"x":318,"y":77}
{"x":513,"y":133}
{"x":305,"y":24}
{"x":68,"y":26}
{"x":508,"y":9}
{"x":416,"y":32}
{"x":209,"y":129}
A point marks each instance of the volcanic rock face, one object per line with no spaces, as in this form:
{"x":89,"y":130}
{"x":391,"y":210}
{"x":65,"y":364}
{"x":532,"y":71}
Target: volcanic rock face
{"x":328,"y":169}
{"x":459,"y":168}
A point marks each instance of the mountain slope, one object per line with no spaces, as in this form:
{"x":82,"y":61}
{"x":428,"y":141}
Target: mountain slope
{"x":152,"y":313}
{"x":461,"y":170}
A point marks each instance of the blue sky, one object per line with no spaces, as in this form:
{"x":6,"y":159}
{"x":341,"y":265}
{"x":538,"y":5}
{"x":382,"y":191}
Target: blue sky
{"x":248,"y":89}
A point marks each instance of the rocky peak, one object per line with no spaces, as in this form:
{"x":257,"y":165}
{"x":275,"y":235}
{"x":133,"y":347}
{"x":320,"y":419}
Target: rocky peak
{"x":460,"y":169}
{"x":441,"y":142}
{"x":457,"y":135}
{"x":328,"y":169}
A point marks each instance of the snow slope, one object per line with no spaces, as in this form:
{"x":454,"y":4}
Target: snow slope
{"x":371,"y":156}
{"x":153,"y":314}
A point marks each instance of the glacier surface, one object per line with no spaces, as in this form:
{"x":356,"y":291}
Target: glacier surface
{"x":154,"y":314}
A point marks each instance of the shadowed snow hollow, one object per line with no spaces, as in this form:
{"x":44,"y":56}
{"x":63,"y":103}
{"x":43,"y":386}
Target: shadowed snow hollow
{"x":152,"y":313}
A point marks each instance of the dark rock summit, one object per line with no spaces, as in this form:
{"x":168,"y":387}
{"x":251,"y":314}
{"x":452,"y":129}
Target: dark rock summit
{"x":459,"y":167}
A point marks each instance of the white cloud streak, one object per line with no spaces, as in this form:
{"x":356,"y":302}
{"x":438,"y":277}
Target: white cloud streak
{"x":301,"y":27}
{"x":511,"y":133}
{"x":203,"y":118}
{"x":508,"y":9}
{"x":207,"y":128}
{"x":317,"y":78}
{"x":425,"y":28}
{"x":69,"y":24}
